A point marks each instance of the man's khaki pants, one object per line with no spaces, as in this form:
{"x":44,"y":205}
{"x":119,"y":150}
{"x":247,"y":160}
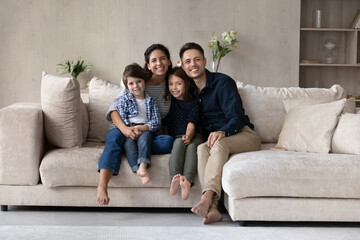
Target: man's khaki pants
{"x":212,"y":160}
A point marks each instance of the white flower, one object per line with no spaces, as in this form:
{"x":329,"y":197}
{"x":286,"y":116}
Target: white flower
{"x":213,"y":41}
{"x":220,"y":50}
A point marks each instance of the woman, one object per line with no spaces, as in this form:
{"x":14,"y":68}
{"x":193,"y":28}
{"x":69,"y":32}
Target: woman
{"x":158,"y":66}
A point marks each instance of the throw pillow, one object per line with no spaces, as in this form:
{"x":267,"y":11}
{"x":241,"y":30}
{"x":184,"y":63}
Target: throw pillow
{"x":291,"y":103}
{"x":101,"y":95}
{"x":309,"y":128}
{"x":346,"y":138}
{"x":264,"y":105}
{"x":62,"y":108}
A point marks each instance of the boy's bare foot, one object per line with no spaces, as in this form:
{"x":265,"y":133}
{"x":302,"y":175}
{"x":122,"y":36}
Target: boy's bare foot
{"x":175,"y":183}
{"x":145,"y":178}
{"x":102,"y":196}
{"x":213,"y":216}
{"x":202,"y":208}
{"x":185,"y":187}
{"x":143,"y":174}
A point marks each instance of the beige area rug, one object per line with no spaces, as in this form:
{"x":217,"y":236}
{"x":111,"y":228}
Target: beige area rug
{"x":173,"y":233}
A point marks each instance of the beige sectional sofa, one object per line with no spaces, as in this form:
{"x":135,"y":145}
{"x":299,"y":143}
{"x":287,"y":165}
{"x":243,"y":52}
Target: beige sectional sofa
{"x":273,"y":184}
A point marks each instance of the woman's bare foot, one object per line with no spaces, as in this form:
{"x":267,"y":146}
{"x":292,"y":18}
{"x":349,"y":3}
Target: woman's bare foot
{"x":175,"y":183}
{"x":202,"y":208}
{"x":185,"y":187}
{"x":102,"y":196}
{"x":213,"y":216}
{"x":143,"y":174}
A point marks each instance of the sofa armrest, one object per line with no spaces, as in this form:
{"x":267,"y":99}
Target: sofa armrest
{"x":21,"y":143}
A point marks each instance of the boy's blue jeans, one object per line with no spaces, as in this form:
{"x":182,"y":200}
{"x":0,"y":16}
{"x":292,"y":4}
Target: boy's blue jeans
{"x":114,"y":143}
{"x":110,"y":159}
{"x":139,"y":151}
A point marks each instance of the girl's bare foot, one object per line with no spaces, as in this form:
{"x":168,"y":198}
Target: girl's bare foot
{"x":175,"y":183}
{"x":102,"y":196}
{"x":143,"y":174}
{"x":213,"y":216}
{"x":185,"y":187}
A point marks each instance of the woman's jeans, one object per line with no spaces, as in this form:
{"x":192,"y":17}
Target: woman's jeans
{"x":162,"y":144}
{"x":114,"y":142}
{"x":139,"y":151}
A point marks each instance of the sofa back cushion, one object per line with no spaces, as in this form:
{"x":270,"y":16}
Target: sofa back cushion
{"x":265,"y":107}
{"x":65,"y":115}
{"x":309,"y":128}
{"x":101,"y":95}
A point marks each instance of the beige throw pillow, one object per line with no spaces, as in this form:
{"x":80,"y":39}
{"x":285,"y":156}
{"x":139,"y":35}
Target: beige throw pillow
{"x":264,"y":105}
{"x":346,"y":138}
{"x":101,"y":96}
{"x":62,"y":108}
{"x":349,"y":107}
{"x":310,"y":128}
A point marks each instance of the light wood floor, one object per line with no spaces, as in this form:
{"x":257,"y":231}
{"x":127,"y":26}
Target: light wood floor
{"x":73,"y":216}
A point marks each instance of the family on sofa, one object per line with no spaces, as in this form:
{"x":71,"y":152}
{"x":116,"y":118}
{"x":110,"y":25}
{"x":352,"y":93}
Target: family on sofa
{"x":135,"y":120}
{"x":307,"y":168}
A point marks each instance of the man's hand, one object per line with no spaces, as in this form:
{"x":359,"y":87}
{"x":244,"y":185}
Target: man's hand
{"x":215,"y":136}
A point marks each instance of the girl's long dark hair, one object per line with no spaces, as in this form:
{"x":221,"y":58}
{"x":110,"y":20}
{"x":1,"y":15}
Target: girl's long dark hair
{"x":179,"y":72}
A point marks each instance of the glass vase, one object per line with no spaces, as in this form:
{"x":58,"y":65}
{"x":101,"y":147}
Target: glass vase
{"x":215,"y":65}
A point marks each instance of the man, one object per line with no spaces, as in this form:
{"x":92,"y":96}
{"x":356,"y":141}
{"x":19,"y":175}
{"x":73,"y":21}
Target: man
{"x":225,"y":127}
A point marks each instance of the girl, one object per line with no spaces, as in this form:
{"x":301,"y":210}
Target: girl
{"x":181,"y":124}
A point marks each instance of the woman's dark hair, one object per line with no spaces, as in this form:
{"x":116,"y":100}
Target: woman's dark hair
{"x":191,"y":45}
{"x":179,"y":72}
{"x":136,"y":71}
{"x":147,"y":53}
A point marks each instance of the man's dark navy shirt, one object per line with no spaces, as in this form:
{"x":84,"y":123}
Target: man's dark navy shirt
{"x":220,"y":105}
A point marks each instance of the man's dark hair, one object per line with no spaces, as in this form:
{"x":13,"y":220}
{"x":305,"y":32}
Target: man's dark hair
{"x":191,"y":45}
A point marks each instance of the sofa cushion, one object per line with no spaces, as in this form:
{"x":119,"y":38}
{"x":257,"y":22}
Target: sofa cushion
{"x":101,"y":95}
{"x":78,"y":167}
{"x":271,"y":173}
{"x":349,"y":106}
{"x":310,"y":128}
{"x":63,"y":111}
{"x":346,"y":138}
{"x":264,"y":105}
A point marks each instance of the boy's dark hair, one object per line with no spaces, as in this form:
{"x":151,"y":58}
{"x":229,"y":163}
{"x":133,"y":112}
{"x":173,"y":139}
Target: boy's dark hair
{"x":179,"y":72}
{"x":148,"y":52}
{"x":136,"y":71}
{"x":191,"y":45}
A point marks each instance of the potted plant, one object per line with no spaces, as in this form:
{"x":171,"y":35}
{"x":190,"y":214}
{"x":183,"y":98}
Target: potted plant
{"x":74,"y":68}
{"x":219,"y":50}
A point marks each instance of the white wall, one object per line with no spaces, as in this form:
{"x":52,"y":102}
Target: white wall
{"x":36,"y":35}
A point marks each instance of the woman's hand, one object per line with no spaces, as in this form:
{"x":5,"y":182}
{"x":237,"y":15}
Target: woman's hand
{"x":142,"y":128}
{"x":215,"y":136}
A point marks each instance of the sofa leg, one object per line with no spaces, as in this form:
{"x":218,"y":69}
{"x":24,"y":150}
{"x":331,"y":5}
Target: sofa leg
{"x":242,"y":223}
{"x":4,"y":208}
